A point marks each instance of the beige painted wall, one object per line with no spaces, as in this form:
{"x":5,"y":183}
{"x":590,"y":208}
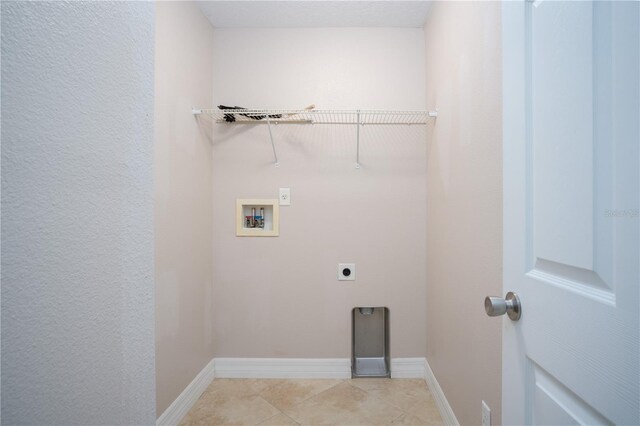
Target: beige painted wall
{"x":183,"y":198}
{"x":279,"y":296}
{"x":464,"y":213}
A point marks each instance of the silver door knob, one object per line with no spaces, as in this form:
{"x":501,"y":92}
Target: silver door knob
{"x":510,"y":305}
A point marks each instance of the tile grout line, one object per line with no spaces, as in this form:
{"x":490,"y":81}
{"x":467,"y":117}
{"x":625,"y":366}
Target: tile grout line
{"x":403,"y":413}
{"x":412,"y":406}
{"x":275,"y":415}
{"x":327,"y":389}
{"x":429,"y":400}
{"x":270,"y":404}
{"x":348,"y":381}
{"x":313,"y":396}
{"x":306,"y":399}
{"x":292,"y":419}
{"x":283,"y":381}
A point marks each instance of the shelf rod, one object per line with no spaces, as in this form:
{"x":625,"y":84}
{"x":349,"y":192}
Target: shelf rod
{"x":342,"y":123}
{"x":358,"y":141}
{"x":273,"y":145}
{"x":276,"y":122}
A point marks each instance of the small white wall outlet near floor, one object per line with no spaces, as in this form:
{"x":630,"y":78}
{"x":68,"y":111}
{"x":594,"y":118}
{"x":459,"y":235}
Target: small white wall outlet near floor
{"x":285,"y":196}
{"x":346,"y":271}
{"x":486,"y":414}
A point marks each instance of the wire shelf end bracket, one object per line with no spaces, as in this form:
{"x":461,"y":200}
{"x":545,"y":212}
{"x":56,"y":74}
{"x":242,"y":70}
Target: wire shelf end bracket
{"x":273,"y":145}
{"x":358,"y":123}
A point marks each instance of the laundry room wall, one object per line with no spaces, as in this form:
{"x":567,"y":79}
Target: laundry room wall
{"x":464,"y":212}
{"x":183,"y":198}
{"x":279,"y":296}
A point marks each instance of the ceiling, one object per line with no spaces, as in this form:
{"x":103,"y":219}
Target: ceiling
{"x":315,"y":13}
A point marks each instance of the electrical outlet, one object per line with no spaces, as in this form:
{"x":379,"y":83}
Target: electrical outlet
{"x":285,"y":196}
{"x":486,"y":414}
{"x":346,"y":271}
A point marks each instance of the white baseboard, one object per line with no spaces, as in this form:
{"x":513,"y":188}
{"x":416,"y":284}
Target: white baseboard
{"x":183,"y":403}
{"x":407,"y":368}
{"x":446,"y":412}
{"x":283,"y":368}
{"x":308,"y":368}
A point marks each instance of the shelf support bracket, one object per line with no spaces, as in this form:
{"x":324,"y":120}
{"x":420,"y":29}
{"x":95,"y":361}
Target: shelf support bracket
{"x":196,"y":111}
{"x":433,"y":113}
{"x":273,"y":146}
{"x":358,"y":140}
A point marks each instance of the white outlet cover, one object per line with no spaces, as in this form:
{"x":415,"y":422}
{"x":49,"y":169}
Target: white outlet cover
{"x":285,"y":196}
{"x":346,"y":271}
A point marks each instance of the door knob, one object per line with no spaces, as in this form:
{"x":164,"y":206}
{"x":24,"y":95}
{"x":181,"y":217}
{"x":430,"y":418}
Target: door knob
{"x":510,"y":305}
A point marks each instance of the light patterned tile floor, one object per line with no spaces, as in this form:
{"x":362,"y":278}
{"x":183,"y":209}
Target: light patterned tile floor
{"x":315,"y":402}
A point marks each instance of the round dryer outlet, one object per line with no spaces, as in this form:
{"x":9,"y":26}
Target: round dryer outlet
{"x":346,"y":271}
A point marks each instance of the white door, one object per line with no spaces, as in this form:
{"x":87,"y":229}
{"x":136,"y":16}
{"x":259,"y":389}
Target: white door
{"x":571,"y":233}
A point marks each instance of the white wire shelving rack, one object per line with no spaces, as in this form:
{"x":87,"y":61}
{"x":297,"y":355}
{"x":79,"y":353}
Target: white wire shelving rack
{"x":357,"y":118}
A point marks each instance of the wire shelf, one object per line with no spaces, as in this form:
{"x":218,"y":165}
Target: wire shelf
{"x":358,"y":118}
{"x":303,"y":116}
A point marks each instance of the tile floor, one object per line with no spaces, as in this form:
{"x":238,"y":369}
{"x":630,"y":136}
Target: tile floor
{"x":315,"y":402}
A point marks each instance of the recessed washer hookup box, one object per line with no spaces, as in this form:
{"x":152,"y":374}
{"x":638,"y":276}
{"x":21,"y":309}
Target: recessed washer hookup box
{"x":370,"y":342}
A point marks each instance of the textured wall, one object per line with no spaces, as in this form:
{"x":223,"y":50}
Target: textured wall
{"x":464,"y":213}
{"x":279,"y":297}
{"x":183,"y":224}
{"x":77,"y":213}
